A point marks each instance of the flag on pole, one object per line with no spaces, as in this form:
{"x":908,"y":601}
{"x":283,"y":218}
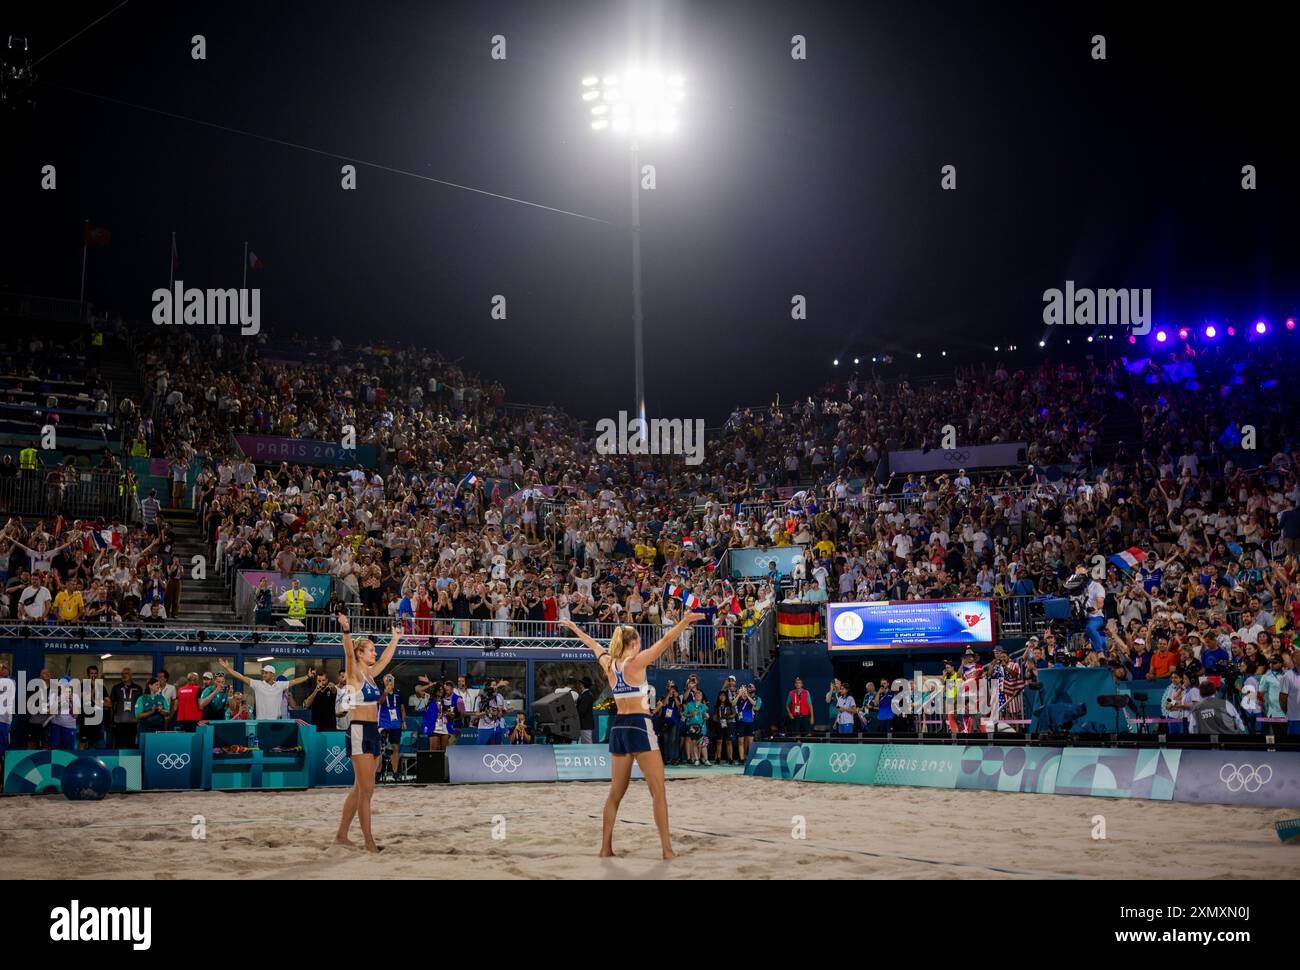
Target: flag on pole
{"x":253,"y":261}
{"x":1128,"y":559}
{"x":176,"y":256}
{"x":469,"y":481}
{"x":711,"y":566}
{"x":97,"y":235}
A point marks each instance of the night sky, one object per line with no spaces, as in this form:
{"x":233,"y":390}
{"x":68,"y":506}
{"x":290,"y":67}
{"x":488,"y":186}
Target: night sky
{"x":819,"y":177}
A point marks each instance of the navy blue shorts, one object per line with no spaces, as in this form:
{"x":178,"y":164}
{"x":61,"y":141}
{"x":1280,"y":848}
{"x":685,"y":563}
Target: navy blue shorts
{"x":363,"y":738}
{"x":744,"y":729}
{"x":632,"y":734}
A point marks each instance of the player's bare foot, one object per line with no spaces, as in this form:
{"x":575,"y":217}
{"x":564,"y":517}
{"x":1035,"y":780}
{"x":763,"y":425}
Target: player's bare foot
{"x":347,"y":842}
{"x":606,"y":852}
{"x":371,"y":847}
{"x":669,"y":854}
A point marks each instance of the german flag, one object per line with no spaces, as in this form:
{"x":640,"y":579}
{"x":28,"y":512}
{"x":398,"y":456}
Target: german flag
{"x":801,"y":621}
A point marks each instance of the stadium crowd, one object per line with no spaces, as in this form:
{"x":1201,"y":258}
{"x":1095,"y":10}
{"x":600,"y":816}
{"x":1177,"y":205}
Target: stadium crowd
{"x":479,"y":517}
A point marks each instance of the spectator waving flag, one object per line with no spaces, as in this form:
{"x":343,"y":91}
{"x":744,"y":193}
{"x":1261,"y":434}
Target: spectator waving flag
{"x":105,"y":539}
{"x":1128,"y":559}
{"x":469,"y":481}
{"x":711,"y":566}
{"x":673,"y":591}
{"x":688,"y":542}
{"x":734,"y":606}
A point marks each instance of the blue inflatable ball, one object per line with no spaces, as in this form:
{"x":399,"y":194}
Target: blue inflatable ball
{"x":86,"y":780}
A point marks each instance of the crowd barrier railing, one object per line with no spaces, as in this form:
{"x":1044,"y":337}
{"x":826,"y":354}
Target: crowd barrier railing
{"x":75,"y":493}
{"x":703,"y":645}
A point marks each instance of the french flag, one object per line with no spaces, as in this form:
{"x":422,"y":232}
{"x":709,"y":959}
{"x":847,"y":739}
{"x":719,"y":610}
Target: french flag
{"x":688,"y":542}
{"x":1128,"y":559}
{"x":105,"y":539}
{"x":734,"y":606}
{"x":469,"y":481}
{"x":711,"y":566}
{"x":673,"y":591}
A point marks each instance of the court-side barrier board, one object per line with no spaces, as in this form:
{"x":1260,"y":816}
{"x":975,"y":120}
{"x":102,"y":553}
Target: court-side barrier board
{"x":488,"y":764}
{"x":1269,"y":779}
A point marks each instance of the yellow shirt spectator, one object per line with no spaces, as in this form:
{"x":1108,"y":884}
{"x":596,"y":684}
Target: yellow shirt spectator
{"x":824,"y":549}
{"x":68,"y":605}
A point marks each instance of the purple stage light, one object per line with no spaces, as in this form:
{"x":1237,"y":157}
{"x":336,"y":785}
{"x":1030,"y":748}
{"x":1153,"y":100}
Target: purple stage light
{"x":1232,"y":331}
{"x":1161,"y":336}
{"x":1290,"y":323}
{"x":1211,"y":332}
{"x":1182,"y":333}
{"x":1132,"y":339}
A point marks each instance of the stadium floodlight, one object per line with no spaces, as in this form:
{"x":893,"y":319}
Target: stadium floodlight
{"x":640,"y":102}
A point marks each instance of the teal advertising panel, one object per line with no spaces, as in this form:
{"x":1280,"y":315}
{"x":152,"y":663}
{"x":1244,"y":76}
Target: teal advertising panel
{"x":171,"y":760}
{"x":845,"y":764}
{"x":41,"y":772}
{"x":1118,"y":773}
{"x":924,"y":765}
{"x":777,"y":759}
{"x":330,"y":762}
{"x":755,"y":562}
{"x":1262,"y":778}
{"x":585,"y":762}
{"x":994,"y":768}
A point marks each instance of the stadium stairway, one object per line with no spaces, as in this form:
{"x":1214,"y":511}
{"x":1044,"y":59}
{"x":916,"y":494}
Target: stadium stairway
{"x":118,"y":366}
{"x":1121,"y":429}
{"x":204,"y":602}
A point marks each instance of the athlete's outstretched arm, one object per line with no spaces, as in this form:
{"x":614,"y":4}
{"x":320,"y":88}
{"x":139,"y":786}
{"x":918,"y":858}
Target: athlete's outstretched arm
{"x":389,"y":650}
{"x":348,"y":662}
{"x":596,"y":648}
{"x":646,"y":657}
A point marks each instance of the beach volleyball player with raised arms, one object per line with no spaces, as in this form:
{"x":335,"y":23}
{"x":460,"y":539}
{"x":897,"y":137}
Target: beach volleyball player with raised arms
{"x":632,"y":738}
{"x":361,"y":669}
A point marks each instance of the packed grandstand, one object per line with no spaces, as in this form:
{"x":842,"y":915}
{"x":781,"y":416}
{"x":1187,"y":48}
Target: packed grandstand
{"x":461,"y":514}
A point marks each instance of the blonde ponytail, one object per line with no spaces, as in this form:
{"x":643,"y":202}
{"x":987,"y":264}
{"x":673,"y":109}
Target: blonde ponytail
{"x":619,"y":640}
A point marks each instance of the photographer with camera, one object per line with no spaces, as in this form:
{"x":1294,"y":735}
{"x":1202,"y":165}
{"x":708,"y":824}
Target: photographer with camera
{"x":748,"y":704}
{"x":725,"y":710}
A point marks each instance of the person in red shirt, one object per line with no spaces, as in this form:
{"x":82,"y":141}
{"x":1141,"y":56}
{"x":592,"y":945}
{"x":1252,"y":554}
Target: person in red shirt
{"x":798,"y":707}
{"x":187,"y":704}
{"x":1164,"y":660}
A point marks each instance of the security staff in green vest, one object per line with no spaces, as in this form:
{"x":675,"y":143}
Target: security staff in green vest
{"x":297,"y":598}
{"x":27,"y":459}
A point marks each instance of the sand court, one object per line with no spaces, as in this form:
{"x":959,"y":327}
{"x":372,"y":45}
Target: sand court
{"x":724,"y":825}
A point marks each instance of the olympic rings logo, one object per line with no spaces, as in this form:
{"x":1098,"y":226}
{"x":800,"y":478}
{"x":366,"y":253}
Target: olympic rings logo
{"x":173,"y":762}
{"x":841,"y":761}
{"x":497,"y":763}
{"x":1249,"y":777}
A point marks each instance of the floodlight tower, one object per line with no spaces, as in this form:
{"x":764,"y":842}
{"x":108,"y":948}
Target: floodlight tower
{"x":638,"y":103}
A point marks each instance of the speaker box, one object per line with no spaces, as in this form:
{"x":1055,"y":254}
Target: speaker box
{"x":557,"y":715}
{"x":431,"y":767}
